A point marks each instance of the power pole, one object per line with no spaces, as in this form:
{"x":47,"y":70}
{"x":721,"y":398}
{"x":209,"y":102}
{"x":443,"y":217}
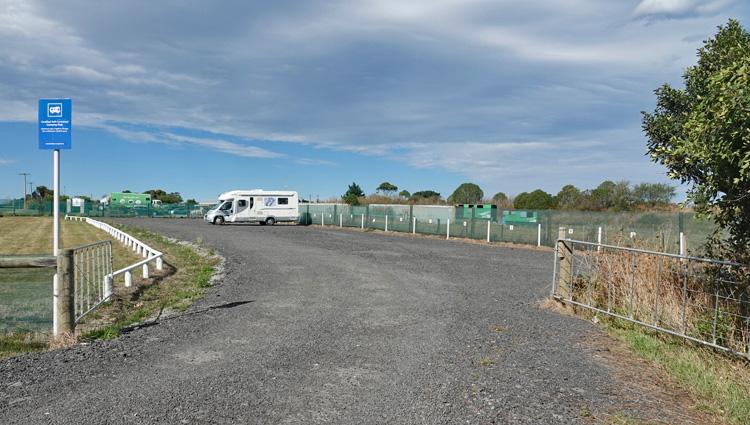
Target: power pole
{"x":24,"y":187}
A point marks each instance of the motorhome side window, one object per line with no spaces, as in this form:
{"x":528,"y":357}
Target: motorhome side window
{"x":283,"y":201}
{"x":242,"y":203}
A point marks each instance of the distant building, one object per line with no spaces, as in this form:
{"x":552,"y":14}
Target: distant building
{"x":133,"y":200}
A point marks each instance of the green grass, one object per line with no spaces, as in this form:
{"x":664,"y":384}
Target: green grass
{"x":26,"y":294}
{"x":25,"y":300}
{"x":23,"y":342}
{"x":176,"y":292}
{"x":719,"y":383}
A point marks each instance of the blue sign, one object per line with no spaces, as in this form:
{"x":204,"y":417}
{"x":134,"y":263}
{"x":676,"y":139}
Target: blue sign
{"x":55,"y":123}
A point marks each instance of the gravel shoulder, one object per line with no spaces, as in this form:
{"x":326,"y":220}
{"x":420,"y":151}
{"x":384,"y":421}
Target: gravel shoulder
{"x":325,"y":326}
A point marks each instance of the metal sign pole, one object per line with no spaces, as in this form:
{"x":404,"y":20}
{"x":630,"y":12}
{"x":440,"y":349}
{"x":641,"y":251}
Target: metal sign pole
{"x":56,"y":202}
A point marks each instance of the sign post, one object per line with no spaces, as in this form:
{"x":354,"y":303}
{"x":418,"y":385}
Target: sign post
{"x":55,"y":124}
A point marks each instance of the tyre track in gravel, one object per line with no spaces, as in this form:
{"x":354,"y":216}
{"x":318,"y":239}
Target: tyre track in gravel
{"x":336,"y":327}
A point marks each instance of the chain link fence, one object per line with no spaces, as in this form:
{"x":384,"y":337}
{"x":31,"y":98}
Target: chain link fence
{"x":660,"y":230}
{"x":95,"y":209}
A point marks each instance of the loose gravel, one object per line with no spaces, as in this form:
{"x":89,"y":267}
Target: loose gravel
{"x":312,"y":325}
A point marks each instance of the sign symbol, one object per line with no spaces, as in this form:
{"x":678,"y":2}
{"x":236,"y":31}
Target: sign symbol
{"x":54,"y":110}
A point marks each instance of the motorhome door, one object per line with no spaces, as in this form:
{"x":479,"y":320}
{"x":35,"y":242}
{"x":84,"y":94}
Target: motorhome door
{"x":242,"y":208}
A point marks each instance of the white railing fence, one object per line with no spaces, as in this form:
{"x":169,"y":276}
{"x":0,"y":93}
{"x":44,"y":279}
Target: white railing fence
{"x":87,"y":275}
{"x":149,"y":254}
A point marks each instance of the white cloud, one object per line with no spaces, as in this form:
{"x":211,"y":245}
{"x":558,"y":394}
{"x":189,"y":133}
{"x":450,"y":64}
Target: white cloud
{"x":407,"y":80}
{"x":310,"y":161}
{"x":678,"y":7}
{"x":172,"y":139}
{"x":4,"y":161}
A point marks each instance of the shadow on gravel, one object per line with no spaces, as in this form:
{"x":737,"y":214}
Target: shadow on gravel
{"x":160,"y":319}
{"x":229,"y":305}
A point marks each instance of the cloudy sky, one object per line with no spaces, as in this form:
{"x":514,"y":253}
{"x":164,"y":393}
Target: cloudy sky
{"x":201,"y":97}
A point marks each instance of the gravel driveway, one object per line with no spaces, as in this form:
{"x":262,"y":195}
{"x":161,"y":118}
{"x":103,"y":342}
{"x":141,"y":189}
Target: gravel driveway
{"x":334,"y":326}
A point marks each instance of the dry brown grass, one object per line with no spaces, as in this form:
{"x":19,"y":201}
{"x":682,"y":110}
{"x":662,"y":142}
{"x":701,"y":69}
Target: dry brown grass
{"x":671,"y":293}
{"x":62,"y":341}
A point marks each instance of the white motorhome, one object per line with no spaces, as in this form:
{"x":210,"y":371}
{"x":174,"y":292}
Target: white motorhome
{"x":261,"y":206}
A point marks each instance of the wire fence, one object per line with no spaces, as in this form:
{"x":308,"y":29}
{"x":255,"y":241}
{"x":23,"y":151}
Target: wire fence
{"x":26,"y":299}
{"x":661,"y":230}
{"x":699,"y":299}
{"x":95,"y":209}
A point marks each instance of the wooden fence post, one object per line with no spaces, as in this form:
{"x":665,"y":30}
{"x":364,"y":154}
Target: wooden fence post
{"x":565,"y":257}
{"x":65,"y":311}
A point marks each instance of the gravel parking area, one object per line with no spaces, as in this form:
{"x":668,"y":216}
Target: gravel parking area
{"x":331,"y":326}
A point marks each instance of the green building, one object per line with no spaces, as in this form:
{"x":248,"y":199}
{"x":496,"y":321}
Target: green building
{"x":479,"y":211}
{"x":134,"y":200}
{"x":520,"y":216}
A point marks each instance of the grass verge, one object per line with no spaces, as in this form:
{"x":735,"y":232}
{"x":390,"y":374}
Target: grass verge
{"x":719,"y":384}
{"x":21,"y":342}
{"x":192,"y":268}
{"x":188,"y":272}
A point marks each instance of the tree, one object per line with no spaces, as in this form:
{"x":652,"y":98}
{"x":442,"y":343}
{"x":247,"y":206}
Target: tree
{"x":536,"y":200}
{"x":700,"y":134}
{"x":42,"y":192}
{"x":355,"y":190}
{"x":425,"y":194}
{"x":601,"y":197}
{"x":167,"y":198}
{"x":502,"y":200}
{"x":352,"y":194}
{"x":569,"y":197}
{"x":351,"y":199}
{"x":191,"y":201}
{"x":467,"y":193}
{"x":621,"y":196}
{"x":653,"y":194}
{"x":499,"y":198}
{"x":404,"y":194}
{"x":387,"y":189}
{"x":126,"y":191}
{"x":172,"y":198}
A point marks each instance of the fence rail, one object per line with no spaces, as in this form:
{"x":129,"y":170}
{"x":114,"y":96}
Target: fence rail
{"x":85,"y":275}
{"x":149,"y":254}
{"x":92,"y":266}
{"x":27,"y":261}
{"x":699,"y":299}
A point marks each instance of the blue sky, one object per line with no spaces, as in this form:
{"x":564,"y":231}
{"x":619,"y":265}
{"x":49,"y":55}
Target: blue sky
{"x":202,"y":97}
